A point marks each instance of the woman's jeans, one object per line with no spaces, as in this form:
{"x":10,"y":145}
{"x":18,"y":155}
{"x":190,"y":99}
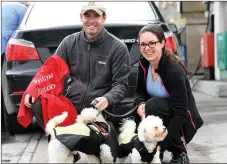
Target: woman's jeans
{"x":154,"y":106}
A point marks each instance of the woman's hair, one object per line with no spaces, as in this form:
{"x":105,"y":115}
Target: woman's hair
{"x":167,"y":54}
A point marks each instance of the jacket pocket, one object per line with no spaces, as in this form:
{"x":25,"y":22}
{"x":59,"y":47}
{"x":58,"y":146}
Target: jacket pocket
{"x":101,"y":65}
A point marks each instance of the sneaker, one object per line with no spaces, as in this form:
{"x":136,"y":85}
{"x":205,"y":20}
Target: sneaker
{"x":180,"y":158}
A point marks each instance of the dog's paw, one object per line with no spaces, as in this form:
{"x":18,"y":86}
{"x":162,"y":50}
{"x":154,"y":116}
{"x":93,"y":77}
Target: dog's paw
{"x":105,"y":154}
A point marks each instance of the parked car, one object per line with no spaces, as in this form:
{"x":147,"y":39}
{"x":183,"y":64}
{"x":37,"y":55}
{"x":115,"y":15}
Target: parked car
{"x":47,"y":23}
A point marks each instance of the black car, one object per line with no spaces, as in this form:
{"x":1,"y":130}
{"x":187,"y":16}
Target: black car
{"x":47,"y":23}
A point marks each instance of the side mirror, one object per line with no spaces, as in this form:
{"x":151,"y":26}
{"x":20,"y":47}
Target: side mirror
{"x":172,"y":27}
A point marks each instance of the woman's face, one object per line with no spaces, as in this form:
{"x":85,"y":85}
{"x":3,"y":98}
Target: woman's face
{"x":151,"y":47}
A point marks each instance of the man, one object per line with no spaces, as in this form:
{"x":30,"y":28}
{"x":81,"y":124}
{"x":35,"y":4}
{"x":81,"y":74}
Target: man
{"x":99,"y":64}
{"x":12,"y":15}
{"x":99,"y":68}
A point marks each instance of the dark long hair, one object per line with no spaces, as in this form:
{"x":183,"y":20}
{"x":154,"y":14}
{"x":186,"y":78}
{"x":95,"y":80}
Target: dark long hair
{"x":167,"y":54}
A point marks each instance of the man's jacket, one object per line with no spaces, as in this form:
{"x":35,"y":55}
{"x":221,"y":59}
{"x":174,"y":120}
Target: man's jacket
{"x":48,"y":85}
{"x":98,"y":68}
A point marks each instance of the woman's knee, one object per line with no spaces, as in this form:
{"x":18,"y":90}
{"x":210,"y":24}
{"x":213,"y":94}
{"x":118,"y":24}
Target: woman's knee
{"x":156,"y":106}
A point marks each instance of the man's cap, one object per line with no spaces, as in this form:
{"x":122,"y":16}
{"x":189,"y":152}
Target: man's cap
{"x":92,"y":6}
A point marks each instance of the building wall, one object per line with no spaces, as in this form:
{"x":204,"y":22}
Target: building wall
{"x":195,"y":19}
{"x":193,"y":32}
{"x":196,"y":22}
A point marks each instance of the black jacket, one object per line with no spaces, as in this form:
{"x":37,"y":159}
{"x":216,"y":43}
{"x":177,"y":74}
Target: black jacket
{"x":86,"y":138}
{"x":126,"y":148}
{"x":98,"y":68}
{"x":176,"y":83}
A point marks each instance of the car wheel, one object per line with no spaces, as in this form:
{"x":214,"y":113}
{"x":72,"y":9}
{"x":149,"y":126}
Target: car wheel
{"x":11,"y":124}
{"x":10,"y":120}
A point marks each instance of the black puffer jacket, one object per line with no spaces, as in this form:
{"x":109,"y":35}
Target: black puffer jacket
{"x":181,"y":98}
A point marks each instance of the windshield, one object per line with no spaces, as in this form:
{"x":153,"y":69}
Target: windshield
{"x":45,"y":14}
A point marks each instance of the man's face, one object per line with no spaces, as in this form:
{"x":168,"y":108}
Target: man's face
{"x":92,"y":23}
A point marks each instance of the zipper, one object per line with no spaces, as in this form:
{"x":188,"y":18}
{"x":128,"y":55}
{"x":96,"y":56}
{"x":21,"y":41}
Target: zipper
{"x":89,"y":46}
{"x":145,"y":72}
{"x":89,"y":54}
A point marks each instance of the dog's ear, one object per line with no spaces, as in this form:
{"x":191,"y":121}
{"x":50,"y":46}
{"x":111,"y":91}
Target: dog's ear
{"x":141,"y":131}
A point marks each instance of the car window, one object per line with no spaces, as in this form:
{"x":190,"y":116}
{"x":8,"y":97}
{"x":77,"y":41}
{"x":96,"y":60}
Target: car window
{"x":46,"y":14}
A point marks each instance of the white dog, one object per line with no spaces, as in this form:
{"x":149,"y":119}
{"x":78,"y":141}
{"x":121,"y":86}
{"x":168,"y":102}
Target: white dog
{"x":142,"y":146}
{"x":62,"y":149}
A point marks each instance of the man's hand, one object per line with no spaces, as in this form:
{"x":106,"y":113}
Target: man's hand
{"x":26,"y":100}
{"x":141,"y":110}
{"x":102,"y":103}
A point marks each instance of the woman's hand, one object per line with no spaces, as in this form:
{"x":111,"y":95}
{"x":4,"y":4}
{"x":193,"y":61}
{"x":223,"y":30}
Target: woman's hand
{"x":141,"y":110}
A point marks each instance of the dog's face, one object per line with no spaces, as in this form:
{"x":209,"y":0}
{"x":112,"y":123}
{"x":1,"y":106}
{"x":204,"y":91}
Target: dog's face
{"x":151,"y":129}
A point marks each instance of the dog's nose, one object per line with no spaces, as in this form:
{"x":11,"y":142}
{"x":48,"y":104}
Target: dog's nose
{"x":164,"y":129}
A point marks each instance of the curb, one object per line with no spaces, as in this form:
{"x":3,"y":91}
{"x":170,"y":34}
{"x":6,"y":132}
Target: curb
{"x":30,"y":149}
{"x":212,"y":88}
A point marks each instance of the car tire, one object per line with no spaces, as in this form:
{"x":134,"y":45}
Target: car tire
{"x":12,"y":126}
{"x":2,"y":116}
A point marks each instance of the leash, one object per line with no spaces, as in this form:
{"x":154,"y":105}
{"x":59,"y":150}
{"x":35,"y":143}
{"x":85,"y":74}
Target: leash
{"x":96,"y":102}
{"x":111,"y":114}
{"x":107,"y":112}
{"x":123,"y":115}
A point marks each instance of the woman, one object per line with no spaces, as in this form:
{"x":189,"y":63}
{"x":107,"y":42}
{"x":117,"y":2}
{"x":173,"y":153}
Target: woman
{"x":163,"y":90}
